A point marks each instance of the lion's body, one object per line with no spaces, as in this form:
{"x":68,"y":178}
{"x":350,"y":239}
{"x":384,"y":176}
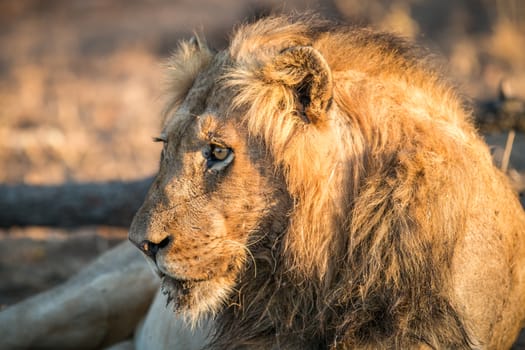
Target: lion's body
{"x":361,"y":208}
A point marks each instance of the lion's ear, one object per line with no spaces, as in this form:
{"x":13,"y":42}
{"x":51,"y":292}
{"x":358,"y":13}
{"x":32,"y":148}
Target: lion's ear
{"x":304,"y":69}
{"x":183,"y":67}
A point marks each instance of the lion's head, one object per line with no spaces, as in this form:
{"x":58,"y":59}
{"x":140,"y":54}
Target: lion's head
{"x":220,"y":192}
{"x":314,"y":188}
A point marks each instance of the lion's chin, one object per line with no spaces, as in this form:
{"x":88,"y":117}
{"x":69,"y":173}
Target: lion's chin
{"x":195,"y":299}
{"x":177,"y":291}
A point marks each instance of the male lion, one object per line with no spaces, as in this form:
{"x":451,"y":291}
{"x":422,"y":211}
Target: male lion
{"x":322,"y":187}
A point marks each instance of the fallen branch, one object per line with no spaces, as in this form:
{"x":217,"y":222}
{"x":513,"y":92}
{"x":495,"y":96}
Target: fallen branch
{"x":72,"y":204}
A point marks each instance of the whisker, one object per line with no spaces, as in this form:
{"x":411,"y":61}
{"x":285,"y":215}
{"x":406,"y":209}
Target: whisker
{"x":245,"y":248}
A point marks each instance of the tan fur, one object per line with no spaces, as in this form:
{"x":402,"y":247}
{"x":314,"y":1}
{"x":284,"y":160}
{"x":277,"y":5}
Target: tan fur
{"x":361,"y":208}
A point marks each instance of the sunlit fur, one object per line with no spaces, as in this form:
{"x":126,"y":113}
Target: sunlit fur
{"x":394,"y":229}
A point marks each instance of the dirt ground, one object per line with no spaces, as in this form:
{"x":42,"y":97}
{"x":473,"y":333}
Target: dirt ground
{"x":81,"y":91}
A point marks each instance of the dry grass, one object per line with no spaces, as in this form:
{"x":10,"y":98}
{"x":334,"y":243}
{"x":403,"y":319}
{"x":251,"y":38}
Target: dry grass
{"x":76,"y":117}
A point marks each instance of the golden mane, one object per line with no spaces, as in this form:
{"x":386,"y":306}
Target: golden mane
{"x":372,"y":222}
{"x":309,"y":153}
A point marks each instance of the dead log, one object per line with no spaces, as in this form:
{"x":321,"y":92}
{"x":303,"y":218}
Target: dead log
{"x":72,"y":204}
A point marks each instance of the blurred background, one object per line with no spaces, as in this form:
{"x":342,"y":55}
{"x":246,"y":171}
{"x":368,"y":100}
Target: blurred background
{"x":81,"y":91}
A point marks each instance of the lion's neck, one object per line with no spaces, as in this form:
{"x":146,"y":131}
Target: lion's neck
{"x":277,"y":307}
{"x":270,"y":311}
{"x":272,"y":306}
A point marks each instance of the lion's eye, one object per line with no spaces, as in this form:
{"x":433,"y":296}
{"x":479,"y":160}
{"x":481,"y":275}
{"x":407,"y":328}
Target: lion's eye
{"x":220,"y":153}
{"x":217,"y":157}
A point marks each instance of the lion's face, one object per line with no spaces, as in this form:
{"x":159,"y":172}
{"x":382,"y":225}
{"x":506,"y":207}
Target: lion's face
{"x":208,"y":200}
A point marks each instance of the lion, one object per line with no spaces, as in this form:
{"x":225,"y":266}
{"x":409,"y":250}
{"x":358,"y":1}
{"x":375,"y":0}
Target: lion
{"x":323,"y":187}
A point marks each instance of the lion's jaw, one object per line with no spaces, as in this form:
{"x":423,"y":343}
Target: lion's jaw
{"x":192,"y":298}
{"x":195,"y":299}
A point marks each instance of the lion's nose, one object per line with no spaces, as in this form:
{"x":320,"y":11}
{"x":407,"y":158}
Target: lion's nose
{"x":151,"y":249}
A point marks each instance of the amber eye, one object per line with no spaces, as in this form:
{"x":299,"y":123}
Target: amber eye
{"x":220,"y":153}
{"x":217,"y":157}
